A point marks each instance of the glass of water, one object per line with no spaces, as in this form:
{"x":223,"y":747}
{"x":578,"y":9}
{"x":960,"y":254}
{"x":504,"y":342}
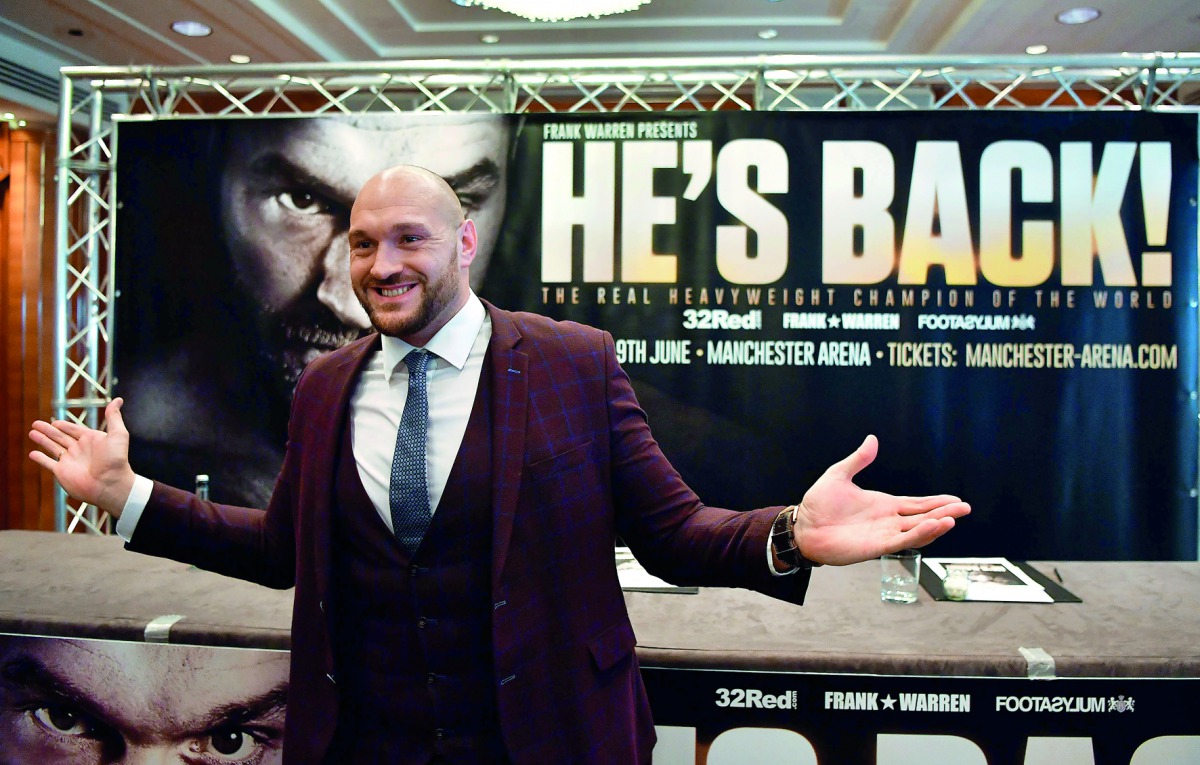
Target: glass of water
{"x":898,"y":576}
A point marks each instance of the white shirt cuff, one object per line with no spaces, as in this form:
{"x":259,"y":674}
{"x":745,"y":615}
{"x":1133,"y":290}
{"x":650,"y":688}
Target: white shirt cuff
{"x":139,"y":496}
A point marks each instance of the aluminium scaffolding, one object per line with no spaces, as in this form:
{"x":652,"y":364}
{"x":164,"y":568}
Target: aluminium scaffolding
{"x":94,"y":98}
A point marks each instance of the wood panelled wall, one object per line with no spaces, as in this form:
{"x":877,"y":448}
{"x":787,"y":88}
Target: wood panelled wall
{"x":26,"y":321}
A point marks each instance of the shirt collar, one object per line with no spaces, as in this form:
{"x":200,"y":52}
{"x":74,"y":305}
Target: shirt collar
{"x":453,"y":342}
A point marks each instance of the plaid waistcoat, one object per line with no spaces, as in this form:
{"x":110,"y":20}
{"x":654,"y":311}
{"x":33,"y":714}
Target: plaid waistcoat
{"x":413,"y":634}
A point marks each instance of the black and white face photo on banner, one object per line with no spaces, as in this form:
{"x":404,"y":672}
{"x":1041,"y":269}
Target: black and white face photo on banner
{"x":234,"y":272}
{"x":103,"y":702}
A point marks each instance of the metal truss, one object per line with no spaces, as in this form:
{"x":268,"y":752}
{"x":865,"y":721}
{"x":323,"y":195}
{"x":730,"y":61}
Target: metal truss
{"x":87,"y":179}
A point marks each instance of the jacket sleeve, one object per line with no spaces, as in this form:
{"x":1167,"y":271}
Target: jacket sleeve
{"x":241,"y":542}
{"x":673,"y":534}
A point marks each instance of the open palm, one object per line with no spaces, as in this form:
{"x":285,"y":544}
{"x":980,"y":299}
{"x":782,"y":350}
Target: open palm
{"x":91,"y":465}
{"x":839,"y":523}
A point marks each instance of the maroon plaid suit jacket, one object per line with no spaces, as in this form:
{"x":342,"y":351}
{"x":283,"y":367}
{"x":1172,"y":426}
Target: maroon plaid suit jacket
{"x":575,"y":465}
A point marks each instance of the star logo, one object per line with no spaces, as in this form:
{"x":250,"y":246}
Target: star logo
{"x":889,"y":702}
{"x":835,"y":322}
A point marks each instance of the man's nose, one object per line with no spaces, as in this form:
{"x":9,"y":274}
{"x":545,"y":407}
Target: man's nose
{"x":336,"y":292}
{"x":388,"y":261}
{"x":149,"y":755}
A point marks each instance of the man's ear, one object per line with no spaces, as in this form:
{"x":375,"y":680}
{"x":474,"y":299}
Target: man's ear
{"x":468,"y":243}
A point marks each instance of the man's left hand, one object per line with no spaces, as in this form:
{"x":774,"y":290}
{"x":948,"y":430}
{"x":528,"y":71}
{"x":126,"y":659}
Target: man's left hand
{"x":838,"y":523}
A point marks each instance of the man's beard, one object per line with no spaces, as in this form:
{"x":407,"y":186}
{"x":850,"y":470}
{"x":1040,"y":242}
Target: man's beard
{"x":293,"y":338}
{"x":436,"y":295}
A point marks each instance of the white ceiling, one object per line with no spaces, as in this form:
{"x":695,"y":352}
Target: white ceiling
{"x":45,"y":34}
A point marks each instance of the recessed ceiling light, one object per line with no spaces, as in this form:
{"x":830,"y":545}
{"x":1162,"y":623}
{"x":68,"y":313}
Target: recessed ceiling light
{"x":1081,"y":15}
{"x":489,"y":39}
{"x":191,"y":28}
{"x":1036,"y":50}
{"x":239,"y":58}
{"x":9,"y":116}
{"x":21,"y":123}
{"x":768,"y":34}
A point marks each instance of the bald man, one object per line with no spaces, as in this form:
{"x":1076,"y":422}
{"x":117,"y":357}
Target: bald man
{"x":456,"y":594}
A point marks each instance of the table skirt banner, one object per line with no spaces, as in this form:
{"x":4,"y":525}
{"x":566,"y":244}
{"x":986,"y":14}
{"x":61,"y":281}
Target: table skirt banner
{"x":73,"y":700}
{"x":709,"y":717}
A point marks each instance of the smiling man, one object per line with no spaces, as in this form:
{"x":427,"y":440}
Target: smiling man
{"x":446,"y":512}
{"x":92,"y":702}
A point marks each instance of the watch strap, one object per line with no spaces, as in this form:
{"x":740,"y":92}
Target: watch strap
{"x":783,"y":540}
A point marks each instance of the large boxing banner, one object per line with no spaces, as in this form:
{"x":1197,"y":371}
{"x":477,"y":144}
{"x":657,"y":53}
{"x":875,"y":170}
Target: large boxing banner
{"x":1007,"y":299}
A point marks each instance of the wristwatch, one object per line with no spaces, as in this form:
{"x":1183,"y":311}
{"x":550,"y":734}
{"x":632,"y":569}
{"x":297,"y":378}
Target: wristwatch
{"x":783,"y":540}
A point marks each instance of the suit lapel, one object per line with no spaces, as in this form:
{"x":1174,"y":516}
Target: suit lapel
{"x":510,"y":395}
{"x":332,"y":404}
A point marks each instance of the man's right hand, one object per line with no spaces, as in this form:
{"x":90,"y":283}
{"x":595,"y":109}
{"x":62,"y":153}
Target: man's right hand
{"x":91,"y":465}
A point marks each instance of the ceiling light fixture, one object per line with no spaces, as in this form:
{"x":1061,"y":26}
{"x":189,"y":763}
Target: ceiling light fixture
{"x":556,"y":10}
{"x":1081,"y":15}
{"x":768,"y":34}
{"x":191,"y":28}
{"x":239,"y":58}
{"x":1036,"y":50}
{"x":489,"y":39}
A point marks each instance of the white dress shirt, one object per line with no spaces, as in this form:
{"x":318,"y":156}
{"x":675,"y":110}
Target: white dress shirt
{"x":377,"y":403}
{"x":453,"y":378}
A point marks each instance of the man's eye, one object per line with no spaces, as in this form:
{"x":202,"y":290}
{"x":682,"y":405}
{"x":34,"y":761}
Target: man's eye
{"x":227,"y":745}
{"x":474,"y":192}
{"x":61,"y":720}
{"x":302,"y":202}
{"x":471,"y":202}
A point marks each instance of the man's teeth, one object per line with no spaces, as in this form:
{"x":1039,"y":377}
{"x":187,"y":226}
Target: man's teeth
{"x":394,"y":291}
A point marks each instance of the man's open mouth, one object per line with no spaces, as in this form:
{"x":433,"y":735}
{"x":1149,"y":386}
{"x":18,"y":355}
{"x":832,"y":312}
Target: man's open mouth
{"x":389,"y":292}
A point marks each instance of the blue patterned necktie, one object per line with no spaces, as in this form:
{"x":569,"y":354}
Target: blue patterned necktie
{"x":408,"y":492}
